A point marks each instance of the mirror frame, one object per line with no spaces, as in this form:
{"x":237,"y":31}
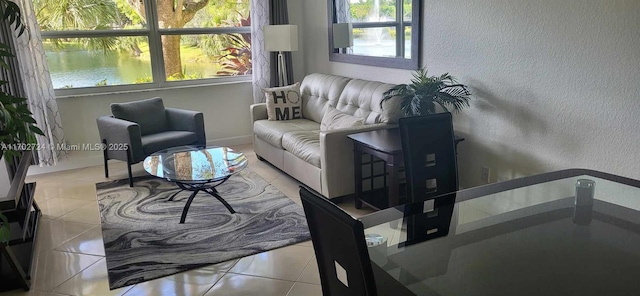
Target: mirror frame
{"x":388,"y":62}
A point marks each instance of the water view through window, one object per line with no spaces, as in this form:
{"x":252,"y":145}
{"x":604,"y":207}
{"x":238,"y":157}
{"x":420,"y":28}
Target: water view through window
{"x":92,"y":68}
{"x":109,"y":42}
{"x":374,"y":27}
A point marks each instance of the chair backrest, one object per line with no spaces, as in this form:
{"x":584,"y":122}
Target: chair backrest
{"x":340,"y":247}
{"x":428,"y":147}
{"x":149,"y":114}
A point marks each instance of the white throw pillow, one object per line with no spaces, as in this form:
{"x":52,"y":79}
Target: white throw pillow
{"x":336,"y":119}
{"x":284,"y":103}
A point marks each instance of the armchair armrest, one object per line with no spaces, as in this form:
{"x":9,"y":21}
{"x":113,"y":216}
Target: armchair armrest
{"x":187,"y":120}
{"x":119,"y":134}
{"x":336,"y":159}
{"x":259,"y":111}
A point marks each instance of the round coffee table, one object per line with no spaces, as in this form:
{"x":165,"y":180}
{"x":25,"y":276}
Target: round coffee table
{"x":196,"y":169}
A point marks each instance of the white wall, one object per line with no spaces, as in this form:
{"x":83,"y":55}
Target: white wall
{"x":555,"y":82}
{"x":296,"y":16}
{"x":225,"y":108}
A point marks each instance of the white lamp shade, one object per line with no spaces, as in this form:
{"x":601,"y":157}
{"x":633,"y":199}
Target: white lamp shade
{"x":281,"y":38}
{"x":342,"y":35}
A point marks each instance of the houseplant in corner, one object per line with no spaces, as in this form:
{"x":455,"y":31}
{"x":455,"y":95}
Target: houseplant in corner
{"x":425,"y":92}
{"x":17,"y":126}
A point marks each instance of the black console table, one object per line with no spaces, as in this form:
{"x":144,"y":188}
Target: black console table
{"x":385,"y":148}
{"x":23,"y":214}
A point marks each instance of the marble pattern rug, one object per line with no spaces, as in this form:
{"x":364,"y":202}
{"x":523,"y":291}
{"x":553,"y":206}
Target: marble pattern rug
{"x":143,"y":239}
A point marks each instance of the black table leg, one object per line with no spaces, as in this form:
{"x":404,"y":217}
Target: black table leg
{"x":215,"y":194}
{"x":174,"y":195}
{"x":186,"y":207}
{"x":357,"y":173}
{"x":208,"y":188}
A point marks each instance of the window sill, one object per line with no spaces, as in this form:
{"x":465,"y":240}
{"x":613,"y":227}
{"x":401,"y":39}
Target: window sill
{"x":97,"y":91}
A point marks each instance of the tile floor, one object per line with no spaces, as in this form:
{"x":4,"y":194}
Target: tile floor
{"x":70,"y":253}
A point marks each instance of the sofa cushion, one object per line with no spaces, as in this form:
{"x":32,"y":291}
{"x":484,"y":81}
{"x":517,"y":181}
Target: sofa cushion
{"x":272,"y":131}
{"x":149,"y":114}
{"x":158,"y":141}
{"x":304,"y":145}
{"x":317,"y":90}
{"x":361,"y":98}
{"x":334,"y":119}
{"x":284,"y":103}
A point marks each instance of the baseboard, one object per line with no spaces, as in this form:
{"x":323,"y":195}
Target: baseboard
{"x":83,"y":159}
{"x":233,"y":141}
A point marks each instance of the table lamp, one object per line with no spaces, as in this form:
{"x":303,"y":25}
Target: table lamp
{"x":281,"y":38}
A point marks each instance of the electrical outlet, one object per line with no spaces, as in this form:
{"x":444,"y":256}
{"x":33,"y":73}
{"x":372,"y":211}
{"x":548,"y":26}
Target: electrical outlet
{"x":485,"y":174}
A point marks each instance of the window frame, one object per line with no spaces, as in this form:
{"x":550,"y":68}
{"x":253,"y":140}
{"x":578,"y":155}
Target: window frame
{"x":154,"y":34}
{"x":413,"y":63}
{"x":399,"y":25}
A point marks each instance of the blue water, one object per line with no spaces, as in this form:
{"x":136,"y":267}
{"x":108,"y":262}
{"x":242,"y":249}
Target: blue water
{"x":385,"y":48}
{"x":87,"y":68}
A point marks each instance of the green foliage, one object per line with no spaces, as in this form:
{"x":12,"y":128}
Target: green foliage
{"x":62,"y":15}
{"x":421,"y":96}
{"x":133,"y":18}
{"x":237,"y":58}
{"x":11,"y":12}
{"x":184,"y":75}
{"x":361,"y":11}
{"x":55,"y":15}
{"x":76,"y":14}
{"x":102,"y":82}
{"x":146,"y":79}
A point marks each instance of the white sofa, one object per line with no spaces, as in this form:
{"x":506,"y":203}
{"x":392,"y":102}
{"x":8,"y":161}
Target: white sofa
{"x":323,"y":160}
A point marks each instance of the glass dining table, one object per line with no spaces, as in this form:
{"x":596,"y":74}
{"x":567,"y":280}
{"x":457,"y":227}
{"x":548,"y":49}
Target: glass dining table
{"x":570,"y":232}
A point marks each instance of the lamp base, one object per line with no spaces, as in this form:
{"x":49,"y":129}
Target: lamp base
{"x":282,"y":70}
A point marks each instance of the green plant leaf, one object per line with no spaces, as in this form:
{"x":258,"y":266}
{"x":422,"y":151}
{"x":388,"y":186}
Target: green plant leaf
{"x":34,"y":129}
{"x":425,"y":92}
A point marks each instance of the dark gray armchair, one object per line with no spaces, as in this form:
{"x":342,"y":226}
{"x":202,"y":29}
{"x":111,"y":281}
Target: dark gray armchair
{"x":138,"y":129}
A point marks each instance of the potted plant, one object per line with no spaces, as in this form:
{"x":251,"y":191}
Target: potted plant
{"x":17,"y":126}
{"x":421,"y":96}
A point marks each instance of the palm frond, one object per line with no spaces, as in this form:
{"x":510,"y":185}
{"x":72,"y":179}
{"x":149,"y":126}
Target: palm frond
{"x":425,"y":92}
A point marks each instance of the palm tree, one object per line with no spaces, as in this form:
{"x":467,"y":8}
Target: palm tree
{"x":421,"y":96}
{"x":76,"y":14}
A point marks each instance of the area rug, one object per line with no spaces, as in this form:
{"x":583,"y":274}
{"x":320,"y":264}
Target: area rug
{"x":143,"y":239}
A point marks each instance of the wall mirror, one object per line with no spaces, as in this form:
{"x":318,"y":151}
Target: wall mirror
{"x":384,"y":33}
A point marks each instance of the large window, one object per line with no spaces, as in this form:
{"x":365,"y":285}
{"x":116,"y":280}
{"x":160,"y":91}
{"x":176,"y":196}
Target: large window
{"x":381,"y":28}
{"x":129,"y":44}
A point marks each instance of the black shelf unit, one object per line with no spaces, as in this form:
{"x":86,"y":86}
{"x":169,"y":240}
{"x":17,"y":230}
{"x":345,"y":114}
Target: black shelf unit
{"x":23,"y":214}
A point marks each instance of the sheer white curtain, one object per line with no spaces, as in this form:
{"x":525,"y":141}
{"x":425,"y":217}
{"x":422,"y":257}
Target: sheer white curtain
{"x":38,"y":87}
{"x":343,"y":11}
{"x":259,"y":58}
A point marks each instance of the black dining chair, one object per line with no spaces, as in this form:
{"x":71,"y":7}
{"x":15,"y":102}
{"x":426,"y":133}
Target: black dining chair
{"x":428,"y":147}
{"x":340,"y":247}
